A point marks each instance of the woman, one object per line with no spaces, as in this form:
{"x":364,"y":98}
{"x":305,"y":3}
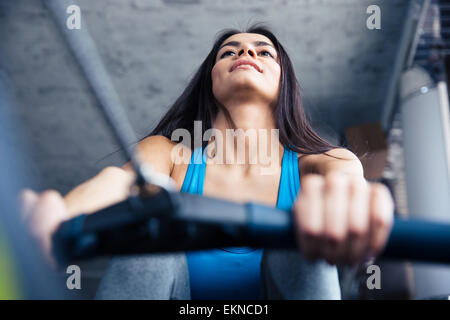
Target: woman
{"x":246,"y":83}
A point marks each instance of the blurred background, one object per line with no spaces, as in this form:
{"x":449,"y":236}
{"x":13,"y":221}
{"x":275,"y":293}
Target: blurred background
{"x":359,"y":85}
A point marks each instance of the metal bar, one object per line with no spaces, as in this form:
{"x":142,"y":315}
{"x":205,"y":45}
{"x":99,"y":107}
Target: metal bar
{"x":85,"y":51}
{"x":408,"y":32}
{"x":417,"y":34}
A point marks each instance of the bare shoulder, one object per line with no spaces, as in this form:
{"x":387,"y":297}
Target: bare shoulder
{"x":156,"y":150}
{"x":342,"y":153}
{"x":156,"y":143}
{"x":335,"y":159}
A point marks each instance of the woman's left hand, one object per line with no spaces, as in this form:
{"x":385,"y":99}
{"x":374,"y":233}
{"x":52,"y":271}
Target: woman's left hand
{"x":342,"y":218}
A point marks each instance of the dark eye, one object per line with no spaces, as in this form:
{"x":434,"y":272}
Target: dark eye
{"x":266,"y":53}
{"x":226,"y":53}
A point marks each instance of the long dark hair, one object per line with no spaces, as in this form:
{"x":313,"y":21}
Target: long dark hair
{"x":197,"y":102}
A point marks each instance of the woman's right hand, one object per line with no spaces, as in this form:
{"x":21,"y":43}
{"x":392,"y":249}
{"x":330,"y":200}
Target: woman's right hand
{"x":43,"y":213}
{"x":46,"y":211}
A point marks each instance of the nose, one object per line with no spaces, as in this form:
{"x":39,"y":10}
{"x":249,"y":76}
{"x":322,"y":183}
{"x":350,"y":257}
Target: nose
{"x":248,"y":51}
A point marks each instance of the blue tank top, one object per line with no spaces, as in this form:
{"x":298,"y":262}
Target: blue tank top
{"x":232,"y":273}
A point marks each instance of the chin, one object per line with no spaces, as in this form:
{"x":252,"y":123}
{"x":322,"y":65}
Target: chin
{"x":243,"y":85}
{"x":243,"y":93}
{"x":246,"y":82}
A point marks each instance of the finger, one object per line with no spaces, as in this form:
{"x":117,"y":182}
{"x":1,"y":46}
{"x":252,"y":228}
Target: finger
{"x":381,"y":217}
{"x":50,"y":209}
{"x":49,"y":213}
{"x":358,"y":220}
{"x":27,"y":201}
{"x":335,"y":216}
{"x":308,"y":211}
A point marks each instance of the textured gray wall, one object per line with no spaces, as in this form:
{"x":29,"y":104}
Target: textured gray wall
{"x":152,"y":47}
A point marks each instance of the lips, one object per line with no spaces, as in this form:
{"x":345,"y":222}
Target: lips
{"x":245,"y":62}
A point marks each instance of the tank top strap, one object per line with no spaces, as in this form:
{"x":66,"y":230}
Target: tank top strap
{"x":195,"y":174}
{"x":289,"y":180}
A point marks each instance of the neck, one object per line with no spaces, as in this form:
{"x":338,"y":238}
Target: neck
{"x":252,"y":143}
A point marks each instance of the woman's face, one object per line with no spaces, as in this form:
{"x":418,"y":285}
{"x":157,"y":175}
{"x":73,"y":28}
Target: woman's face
{"x":247,"y":63}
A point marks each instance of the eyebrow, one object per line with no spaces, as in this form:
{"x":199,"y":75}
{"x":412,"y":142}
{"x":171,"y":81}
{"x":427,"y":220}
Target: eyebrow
{"x":237,"y":43}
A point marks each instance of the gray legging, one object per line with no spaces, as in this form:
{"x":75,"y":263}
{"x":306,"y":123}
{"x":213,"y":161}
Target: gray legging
{"x":285,"y":274}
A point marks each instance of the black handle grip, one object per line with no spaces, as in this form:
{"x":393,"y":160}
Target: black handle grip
{"x":170,"y":222}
